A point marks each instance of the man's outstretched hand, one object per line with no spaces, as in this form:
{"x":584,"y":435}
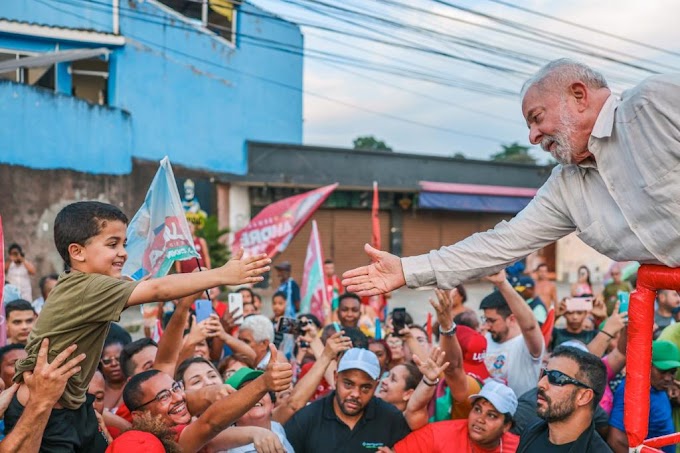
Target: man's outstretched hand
{"x":383,"y":275}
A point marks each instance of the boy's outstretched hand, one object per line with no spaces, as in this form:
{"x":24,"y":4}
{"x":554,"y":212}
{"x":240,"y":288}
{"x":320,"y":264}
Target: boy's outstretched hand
{"x":240,"y":270}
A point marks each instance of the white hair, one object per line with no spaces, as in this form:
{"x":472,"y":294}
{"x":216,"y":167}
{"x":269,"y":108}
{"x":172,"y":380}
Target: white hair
{"x":261,"y":327}
{"x":560,"y":73}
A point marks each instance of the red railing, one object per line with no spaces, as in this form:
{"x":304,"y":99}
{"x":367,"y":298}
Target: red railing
{"x":639,"y":355}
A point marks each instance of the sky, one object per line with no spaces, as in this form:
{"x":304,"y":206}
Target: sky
{"x":429,"y":77}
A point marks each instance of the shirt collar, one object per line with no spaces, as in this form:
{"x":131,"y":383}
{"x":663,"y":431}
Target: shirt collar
{"x":605,"y":120}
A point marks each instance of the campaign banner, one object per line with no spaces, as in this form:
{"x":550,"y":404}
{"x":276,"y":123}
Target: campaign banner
{"x":272,"y":229}
{"x":3,"y":327}
{"x":314,"y":294}
{"x":158,"y":234}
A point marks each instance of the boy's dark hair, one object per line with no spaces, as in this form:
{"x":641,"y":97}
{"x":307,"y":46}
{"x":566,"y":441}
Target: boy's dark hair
{"x":496,"y":301}
{"x":328,"y":261}
{"x":179,"y":373}
{"x":129,"y":351}
{"x":17,"y":247}
{"x":132,"y":393}
{"x":78,"y":222}
{"x":280,"y":294}
{"x":591,"y":370}
{"x":18,"y":305}
{"x":344,"y":296}
{"x":10,"y":347}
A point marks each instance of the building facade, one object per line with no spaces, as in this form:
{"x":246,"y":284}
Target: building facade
{"x":91,"y":84}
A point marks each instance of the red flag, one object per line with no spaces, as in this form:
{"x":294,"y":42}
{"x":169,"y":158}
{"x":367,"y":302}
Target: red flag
{"x":3,"y":327}
{"x":272,"y":229}
{"x":377,"y":303}
{"x":314,"y":295}
{"x":429,"y":328}
{"x":375,"y":238}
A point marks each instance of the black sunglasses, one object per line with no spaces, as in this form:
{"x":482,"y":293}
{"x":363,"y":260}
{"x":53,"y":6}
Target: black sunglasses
{"x":560,"y":379}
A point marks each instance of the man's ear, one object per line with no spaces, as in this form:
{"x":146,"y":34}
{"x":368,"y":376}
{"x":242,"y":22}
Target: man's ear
{"x":76,"y":252}
{"x":579,"y":92}
{"x":585,"y":397}
{"x":407,"y":394}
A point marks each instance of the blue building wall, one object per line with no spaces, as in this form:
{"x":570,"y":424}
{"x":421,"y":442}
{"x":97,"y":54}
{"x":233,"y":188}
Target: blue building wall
{"x":190,"y":94}
{"x":28,"y":115}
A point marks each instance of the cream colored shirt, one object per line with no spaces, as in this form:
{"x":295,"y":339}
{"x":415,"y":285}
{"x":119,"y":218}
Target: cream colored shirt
{"x":625,"y":204}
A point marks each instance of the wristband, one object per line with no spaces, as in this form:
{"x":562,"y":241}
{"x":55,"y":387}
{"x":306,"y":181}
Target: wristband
{"x":448,"y":333}
{"x":607,"y":333}
{"x":430,"y":384}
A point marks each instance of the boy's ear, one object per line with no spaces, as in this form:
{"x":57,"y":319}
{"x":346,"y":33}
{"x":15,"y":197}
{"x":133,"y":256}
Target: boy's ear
{"x":76,"y":252}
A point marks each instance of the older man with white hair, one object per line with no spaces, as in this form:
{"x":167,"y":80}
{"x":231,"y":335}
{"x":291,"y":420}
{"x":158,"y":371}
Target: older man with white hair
{"x":257,"y":332}
{"x":617,"y":184}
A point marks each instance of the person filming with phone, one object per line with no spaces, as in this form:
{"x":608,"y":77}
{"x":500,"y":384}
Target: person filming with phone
{"x":576,"y":311}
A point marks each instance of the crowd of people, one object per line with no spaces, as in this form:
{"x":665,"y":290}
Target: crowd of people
{"x":527,"y":372}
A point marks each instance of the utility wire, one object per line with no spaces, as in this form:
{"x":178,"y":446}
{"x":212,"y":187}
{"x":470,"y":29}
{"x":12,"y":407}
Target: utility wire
{"x":584,"y":27}
{"x":165,"y":49}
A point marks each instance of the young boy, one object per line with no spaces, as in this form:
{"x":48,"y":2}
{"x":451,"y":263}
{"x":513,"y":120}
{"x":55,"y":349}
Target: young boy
{"x":90,"y":237}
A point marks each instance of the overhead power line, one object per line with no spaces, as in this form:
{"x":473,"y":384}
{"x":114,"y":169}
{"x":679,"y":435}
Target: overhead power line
{"x":165,"y":49}
{"x":584,"y":27}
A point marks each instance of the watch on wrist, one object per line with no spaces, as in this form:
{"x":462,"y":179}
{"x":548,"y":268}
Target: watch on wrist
{"x":450,"y":332}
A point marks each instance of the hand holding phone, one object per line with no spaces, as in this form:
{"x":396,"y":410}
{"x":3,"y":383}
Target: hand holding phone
{"x":398,"y":320}
{"x":203,"y":309}
{"x":236,"y":307}
{"x":580,"y":304}
{"x":624,"y":300}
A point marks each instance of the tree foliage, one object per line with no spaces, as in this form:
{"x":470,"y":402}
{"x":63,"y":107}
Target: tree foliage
{"x":369,"y":142}
{"x":218,"y":250}
{"x":515,"y":153}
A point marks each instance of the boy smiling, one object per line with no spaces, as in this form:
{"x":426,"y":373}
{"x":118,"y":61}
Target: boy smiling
{"x":90,"y":237}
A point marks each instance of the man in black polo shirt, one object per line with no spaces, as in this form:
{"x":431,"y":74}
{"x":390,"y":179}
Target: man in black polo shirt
{"x":350,"y":419}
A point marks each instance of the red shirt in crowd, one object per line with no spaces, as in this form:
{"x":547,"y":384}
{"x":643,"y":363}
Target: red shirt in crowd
{"x":441,"y":436}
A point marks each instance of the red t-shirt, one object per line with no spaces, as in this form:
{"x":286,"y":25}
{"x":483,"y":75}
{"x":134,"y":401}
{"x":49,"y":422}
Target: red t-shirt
{"x":124,"y":412}
{"x":441,"y":436}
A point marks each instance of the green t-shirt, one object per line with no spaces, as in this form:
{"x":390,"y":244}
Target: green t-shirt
{"x":79,"y":310}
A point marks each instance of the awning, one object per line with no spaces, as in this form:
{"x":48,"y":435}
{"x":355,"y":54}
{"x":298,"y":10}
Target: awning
{"x":474,"y":197}
{"x":50,"y":58}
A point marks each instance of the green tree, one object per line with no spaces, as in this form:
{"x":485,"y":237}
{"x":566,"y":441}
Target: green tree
{"x":369,"y":142}
{"x":218,"y":250}
{"x":514,"y":153}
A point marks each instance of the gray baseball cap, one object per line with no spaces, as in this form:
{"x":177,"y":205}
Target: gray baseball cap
{"x":360,"y":359}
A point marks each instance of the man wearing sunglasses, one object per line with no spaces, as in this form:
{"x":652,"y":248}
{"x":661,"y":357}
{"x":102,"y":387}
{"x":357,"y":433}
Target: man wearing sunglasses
{"x":569,"y":390}
{"x":665,"y":361}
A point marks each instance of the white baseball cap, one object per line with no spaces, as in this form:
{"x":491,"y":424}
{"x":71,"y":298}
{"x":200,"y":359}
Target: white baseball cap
{"x":501,"y":396}
{"x":360,"y":359}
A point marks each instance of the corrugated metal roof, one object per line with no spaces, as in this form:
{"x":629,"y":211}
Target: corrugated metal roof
{"x":59,"y":33}
{"x":50,"y":58}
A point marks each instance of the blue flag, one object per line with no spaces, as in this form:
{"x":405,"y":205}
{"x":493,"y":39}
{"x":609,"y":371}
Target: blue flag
{"x":158,"y":234}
